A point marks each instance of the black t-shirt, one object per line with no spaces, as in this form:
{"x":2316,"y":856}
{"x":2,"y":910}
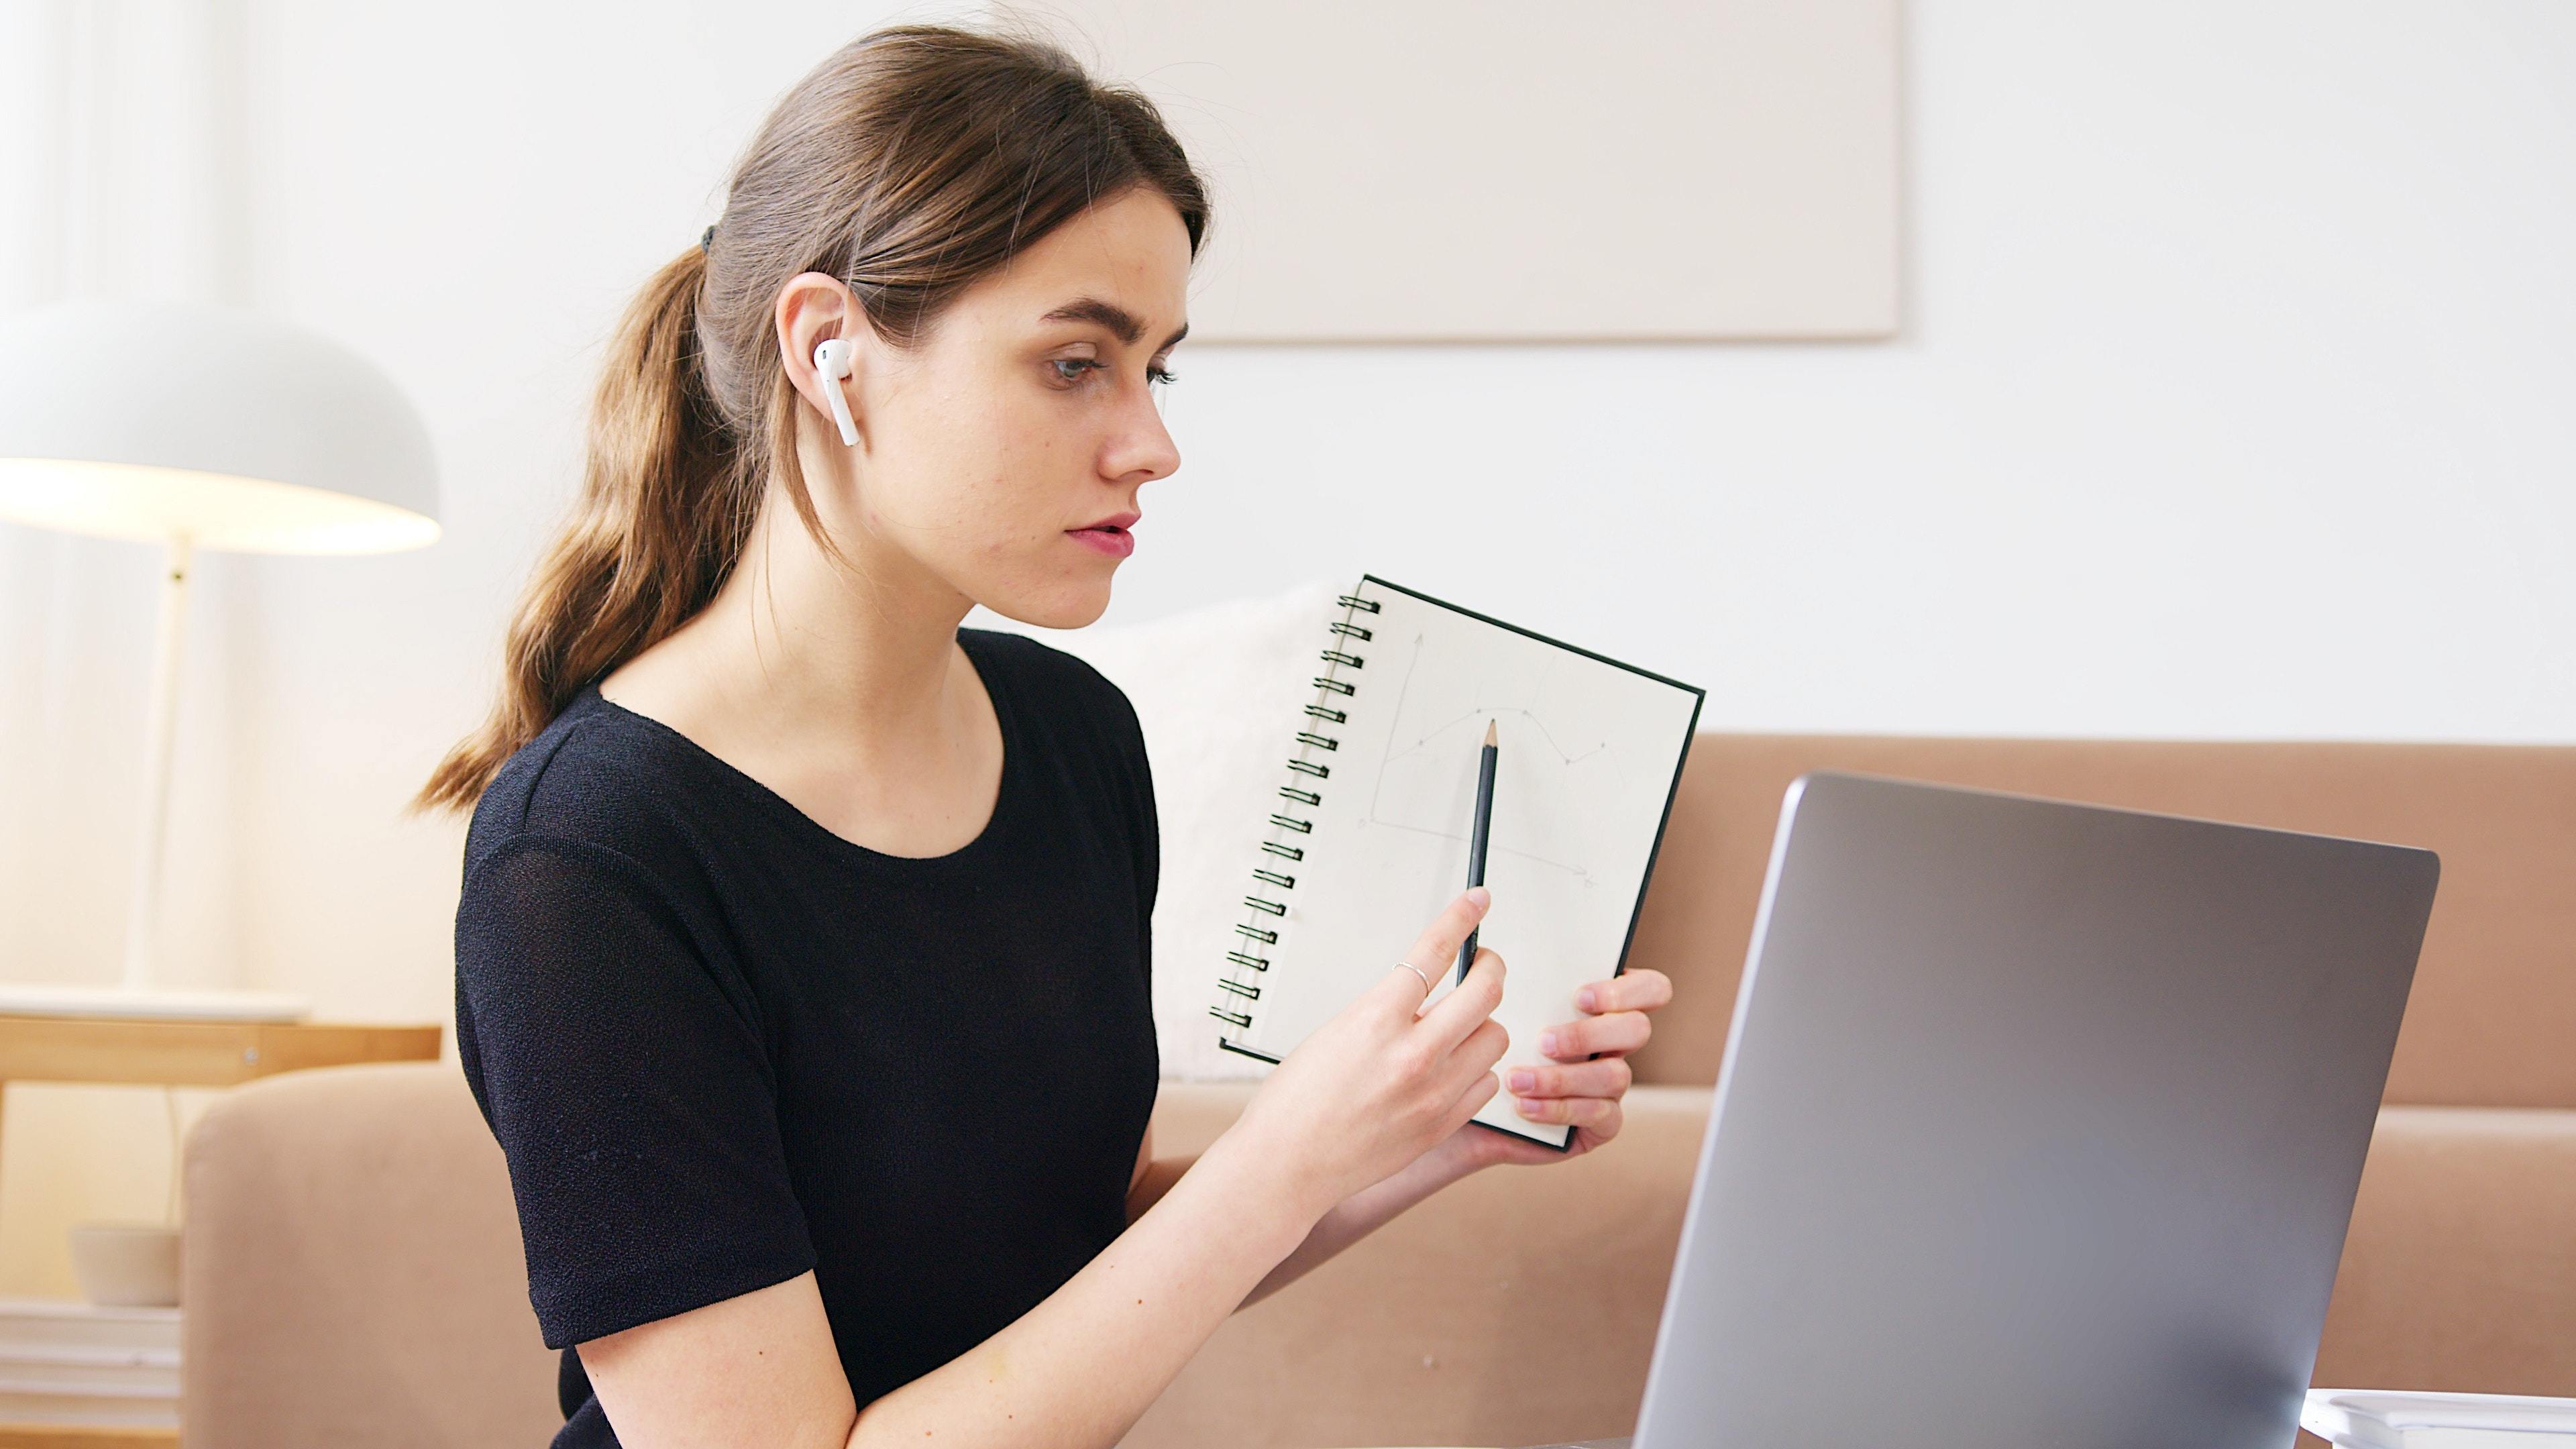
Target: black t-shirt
{"x":721,"y":1045}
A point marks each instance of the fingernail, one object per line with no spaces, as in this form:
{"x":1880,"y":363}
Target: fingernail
{"x":1481,"y":896}
{"x":1547,"y":1043}
{"x":1532,"y":1107}
{"x":1586,"y":999}
{"x":1524,"y":1080}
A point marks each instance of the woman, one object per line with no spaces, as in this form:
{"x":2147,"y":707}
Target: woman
{"x":802,"y":956}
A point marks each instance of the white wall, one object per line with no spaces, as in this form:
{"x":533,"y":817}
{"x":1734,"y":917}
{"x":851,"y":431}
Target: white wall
{"x":2233,"y":399}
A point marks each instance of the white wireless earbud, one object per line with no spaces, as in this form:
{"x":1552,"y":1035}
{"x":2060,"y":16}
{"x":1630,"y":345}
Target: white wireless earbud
{"x":831,"y":364}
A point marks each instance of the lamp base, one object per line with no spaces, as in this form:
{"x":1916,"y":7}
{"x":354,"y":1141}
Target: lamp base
{"x":19,"y":998}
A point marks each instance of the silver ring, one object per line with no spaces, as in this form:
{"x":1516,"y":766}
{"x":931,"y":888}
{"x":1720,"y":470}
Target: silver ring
{"x":1416,"y":970}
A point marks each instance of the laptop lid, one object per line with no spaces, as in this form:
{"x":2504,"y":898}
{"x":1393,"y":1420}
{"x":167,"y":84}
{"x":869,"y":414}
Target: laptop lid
{"x":2039,"y":1125}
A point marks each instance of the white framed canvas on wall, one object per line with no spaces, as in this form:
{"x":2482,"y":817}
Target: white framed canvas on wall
{"x":1526,"y":170}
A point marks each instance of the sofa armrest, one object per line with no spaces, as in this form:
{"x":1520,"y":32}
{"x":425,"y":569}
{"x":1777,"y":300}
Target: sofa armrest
{"x":351,"y":1269}
{"x":2459,"y":1272}
{"x":1515,"y":1307}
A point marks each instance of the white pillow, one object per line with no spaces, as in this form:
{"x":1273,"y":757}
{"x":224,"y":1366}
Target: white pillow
{"x":1218,"y":692}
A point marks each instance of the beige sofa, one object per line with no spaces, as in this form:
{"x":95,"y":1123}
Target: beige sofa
{"x":353,"y":1279}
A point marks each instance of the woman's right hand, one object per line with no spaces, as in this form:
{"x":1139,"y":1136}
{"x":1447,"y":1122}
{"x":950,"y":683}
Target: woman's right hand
{"x":1379,"y":1085}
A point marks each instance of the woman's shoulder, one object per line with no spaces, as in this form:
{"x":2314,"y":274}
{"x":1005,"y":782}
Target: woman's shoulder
{"x":1079,"y":712}
{"x":590,"y":781}
{"x":1057,"y":677}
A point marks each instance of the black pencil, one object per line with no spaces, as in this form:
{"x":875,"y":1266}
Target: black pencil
{"x":1476,"y":838}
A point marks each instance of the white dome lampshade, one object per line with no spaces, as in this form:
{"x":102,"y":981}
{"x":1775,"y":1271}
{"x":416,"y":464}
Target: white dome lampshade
{"x":197,"y":426}
{"x":144,"y":420}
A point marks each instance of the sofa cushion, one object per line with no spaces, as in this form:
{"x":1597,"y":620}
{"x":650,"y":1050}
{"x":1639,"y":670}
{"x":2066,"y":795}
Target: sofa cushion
{"x":1516,"y":1307}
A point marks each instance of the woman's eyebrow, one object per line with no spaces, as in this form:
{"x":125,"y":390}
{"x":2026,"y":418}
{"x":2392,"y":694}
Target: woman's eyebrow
{"x":1112,"y":316}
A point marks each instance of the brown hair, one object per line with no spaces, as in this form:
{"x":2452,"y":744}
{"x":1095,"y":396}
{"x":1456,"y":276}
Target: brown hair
{"x":911,"y":162}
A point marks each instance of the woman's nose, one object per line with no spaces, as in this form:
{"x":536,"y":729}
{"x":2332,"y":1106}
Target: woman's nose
{"x":1144,"y":444}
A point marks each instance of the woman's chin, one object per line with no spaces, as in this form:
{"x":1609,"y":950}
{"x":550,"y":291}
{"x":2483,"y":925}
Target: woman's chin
{"x":1071,"y":604}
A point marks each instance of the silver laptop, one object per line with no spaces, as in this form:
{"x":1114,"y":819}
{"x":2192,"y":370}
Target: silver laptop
{"x":2039,"y":1125}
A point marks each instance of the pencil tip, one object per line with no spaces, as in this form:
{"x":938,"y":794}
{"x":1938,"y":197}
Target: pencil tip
{"x":1489,"y":732}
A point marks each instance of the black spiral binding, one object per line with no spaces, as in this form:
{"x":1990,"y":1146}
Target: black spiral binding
{"x":1236,"y":993}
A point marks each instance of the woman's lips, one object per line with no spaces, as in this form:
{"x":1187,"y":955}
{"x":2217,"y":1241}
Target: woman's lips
{"x":1115,"y":542}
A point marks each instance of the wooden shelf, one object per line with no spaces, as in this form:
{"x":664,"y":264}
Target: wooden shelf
{"x":41,"y":1436}
{"x":163,"y":1052}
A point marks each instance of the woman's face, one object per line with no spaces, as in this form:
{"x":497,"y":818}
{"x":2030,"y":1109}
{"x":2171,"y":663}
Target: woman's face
{"x":1004,"y":455}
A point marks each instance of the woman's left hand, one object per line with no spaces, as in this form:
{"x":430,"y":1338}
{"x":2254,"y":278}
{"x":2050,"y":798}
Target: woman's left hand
{"x":1576,"y":1086}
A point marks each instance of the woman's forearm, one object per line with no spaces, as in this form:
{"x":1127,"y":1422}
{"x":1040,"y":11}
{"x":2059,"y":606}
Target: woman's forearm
{"x":1350,"y":1220}
{"x":1085,"y":1364}
{"x":1365,"y":1211}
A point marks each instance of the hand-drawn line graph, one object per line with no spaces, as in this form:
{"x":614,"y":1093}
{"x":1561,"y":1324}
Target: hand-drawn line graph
{"x":1424,"y":741}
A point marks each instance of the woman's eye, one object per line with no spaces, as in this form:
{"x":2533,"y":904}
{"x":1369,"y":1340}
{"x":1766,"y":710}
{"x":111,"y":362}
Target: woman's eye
{"x":1069,"y":370}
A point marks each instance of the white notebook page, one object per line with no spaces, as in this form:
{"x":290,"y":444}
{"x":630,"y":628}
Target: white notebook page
{"x":1588,"y":755}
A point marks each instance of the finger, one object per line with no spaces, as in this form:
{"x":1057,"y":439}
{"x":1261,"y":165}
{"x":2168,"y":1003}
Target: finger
{"x":1457,"y":1013}
{"x":1424,"y":1006}
{"x":1483,"y":1047}
{"x":1608,"y":1126}
{"x":1607,"y":1077}
{"x":1592,"y":1112}
{"x":1482,"y":1088}
{"x":1643,"y":989}
{"x":1406,"y":986}
{"x":1619,"y":1031}
{"x":1436,"y":949}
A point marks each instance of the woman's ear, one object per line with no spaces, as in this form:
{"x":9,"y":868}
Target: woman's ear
{"x":818,"y":326}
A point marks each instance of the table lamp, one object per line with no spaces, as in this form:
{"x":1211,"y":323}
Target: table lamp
{"x":197,"y":426}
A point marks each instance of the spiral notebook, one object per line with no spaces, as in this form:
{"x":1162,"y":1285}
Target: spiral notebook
{"x":1367,"y":835}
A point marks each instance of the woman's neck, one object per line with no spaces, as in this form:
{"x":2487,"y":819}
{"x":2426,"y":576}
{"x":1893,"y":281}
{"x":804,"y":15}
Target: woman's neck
{"x":840,"y":687}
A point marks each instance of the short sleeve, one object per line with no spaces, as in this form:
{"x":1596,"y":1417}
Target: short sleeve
{"x":625,"y":1075}
{"x":1145,"y":826}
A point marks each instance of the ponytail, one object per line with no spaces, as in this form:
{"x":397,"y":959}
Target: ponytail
{"x":662,"y":515}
